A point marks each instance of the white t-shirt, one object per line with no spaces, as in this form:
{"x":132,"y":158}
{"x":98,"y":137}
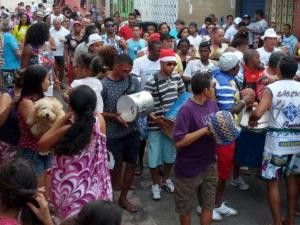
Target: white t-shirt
{"x":262,"y":25}
{"x":196,"y":65}
{"x":95,"y":84}
{"x":252,"y":26}
{"x":264,"y":55}
{"x":195,"y":41}
{"x":143,"y":67}
{"x":230,"y":32}
{"x":59,"y":38}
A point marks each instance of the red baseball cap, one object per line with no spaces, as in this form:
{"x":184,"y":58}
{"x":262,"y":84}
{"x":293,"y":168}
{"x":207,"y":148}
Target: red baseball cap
{"x":154,"y":37}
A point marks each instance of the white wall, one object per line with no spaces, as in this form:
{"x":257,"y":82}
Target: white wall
{"x":12,"y":4}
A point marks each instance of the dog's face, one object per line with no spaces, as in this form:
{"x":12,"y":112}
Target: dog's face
{"x":48,"y":109}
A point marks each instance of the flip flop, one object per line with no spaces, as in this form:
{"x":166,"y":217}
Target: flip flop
{"x":128,"y":206}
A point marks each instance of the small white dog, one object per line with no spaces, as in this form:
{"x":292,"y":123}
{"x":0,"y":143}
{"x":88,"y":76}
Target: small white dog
{"x":45,"y":112}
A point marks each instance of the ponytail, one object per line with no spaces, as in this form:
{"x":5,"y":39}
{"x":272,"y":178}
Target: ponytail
{"x":78,"y":136}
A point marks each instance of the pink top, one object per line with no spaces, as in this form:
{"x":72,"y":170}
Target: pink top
{"x":81,"y":178}
{"x":8,"y":221}
{"x":27,"y":139}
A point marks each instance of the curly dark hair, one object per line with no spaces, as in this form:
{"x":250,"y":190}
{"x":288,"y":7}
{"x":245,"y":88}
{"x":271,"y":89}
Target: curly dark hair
{"x":83,"y":102}
{"x":36,"y":35}
{"x":93,"y":62}
{"x":108,"y":54}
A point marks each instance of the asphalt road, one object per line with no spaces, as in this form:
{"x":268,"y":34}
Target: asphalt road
{"x":252,"y":205}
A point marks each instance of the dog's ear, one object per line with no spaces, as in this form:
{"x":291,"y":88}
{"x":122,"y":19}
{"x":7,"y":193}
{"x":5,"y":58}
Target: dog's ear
{"x":31,"y":118}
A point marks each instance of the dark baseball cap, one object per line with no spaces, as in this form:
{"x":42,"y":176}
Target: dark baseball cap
{"x":164,"y":37}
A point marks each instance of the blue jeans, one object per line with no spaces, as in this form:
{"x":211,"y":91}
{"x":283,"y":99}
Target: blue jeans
{"x":40,"y":163}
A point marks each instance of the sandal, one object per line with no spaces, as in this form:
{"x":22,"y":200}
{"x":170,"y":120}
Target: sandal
{"x":128,"y":206}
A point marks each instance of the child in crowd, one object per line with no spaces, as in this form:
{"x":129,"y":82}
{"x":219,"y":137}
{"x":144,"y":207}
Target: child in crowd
{"x":35,"y":83}
{"x":195,"y":165}
{"x":80,"y":167}
{"x":21,"y":202}
{"x":88,"y":67}
{"x":97,"y":213}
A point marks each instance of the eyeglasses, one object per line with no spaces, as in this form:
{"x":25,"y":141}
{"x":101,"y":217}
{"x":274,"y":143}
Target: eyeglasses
{"x":172,"y":64}
{"x":109,"y":25}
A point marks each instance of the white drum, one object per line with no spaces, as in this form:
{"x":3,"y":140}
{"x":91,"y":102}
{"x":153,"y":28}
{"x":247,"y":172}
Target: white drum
{"x":132,"y":106}
{"x":263,"y":122}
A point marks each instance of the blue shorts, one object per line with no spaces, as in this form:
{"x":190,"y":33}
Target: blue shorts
{"x":40,"y":163}
{"x":161,"y":149}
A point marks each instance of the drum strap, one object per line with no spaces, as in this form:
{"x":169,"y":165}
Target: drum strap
{"x":129,"y":86}
{"x":161,"y":102}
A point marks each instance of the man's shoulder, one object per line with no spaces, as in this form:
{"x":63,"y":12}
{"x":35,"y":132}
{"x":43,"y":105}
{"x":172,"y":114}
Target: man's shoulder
{"x":142,"y":59}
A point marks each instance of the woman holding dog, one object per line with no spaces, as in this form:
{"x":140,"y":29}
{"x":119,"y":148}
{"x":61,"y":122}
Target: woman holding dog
{"x":35,"y":83}
{"x":80,"y":168}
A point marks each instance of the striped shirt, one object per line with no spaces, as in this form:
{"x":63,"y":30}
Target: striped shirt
{"x":226,"y":90}
{"x":169,"y":89}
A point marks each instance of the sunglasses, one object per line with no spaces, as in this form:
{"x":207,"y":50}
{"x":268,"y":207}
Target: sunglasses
{"x":109,"y":25}
{"x":172,"y":64}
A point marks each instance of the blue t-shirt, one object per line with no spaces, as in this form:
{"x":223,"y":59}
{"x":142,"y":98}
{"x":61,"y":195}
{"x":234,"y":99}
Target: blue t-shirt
{"x":11,"y":61}
{"x":174,"y":33}
{"x":134,"y":47}
{"x":226,"y":90}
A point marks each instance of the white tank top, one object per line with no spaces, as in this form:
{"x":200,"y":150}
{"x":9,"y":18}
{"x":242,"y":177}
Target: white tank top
{"x":284,"y":118}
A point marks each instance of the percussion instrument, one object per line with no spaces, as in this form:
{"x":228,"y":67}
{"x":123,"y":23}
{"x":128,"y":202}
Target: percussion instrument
{"x":174,"y":109}
{"x":132,"y":106}
{"x":170,"y":116}
{"x":223,"y":127}
{"x":263,"y":122}
{"x":248,"y":91}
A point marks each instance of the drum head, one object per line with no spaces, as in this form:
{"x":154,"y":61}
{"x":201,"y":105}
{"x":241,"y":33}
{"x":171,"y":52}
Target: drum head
{"x":128,"y":109}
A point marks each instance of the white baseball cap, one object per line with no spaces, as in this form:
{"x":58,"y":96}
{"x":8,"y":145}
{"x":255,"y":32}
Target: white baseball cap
{"x":237,"y":20}
{"x":228,"y":61}
{"x":94,"y":38}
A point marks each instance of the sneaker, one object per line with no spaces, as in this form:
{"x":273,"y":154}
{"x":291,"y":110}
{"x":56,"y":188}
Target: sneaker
{"x":225,"y":210}
{"x":168,"y":185}
{"x":215,"y":216}
{"x":240,"y":183}
{"x":155,"y":192}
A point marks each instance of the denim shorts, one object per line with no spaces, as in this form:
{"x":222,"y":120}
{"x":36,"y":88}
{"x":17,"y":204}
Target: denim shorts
{"x":40,"y":163}
{"x":161,"y":149}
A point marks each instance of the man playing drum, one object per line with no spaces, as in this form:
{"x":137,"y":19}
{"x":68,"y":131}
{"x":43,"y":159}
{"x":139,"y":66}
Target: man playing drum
{"x":122,"y":137}
{"x":195,"y":166}
{"x":228,"y":98}
{"x":281,"y":157}
{"x":165,"y":88}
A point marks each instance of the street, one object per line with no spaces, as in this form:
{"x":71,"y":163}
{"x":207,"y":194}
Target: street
{"x":252,"y":205}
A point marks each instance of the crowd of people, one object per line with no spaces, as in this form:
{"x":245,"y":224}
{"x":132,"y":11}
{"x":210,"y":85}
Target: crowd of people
{"x":246,"y":67}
